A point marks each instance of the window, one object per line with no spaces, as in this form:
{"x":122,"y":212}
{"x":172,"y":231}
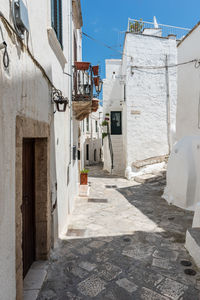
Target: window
{"x":116,"y":122}
{"x":87,"y":124}
{"x":56,"y":18}
{"x":96,"y":126}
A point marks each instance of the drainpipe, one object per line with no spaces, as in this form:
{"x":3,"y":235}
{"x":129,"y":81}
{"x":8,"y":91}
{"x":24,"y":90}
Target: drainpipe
{"x":168,"y":105}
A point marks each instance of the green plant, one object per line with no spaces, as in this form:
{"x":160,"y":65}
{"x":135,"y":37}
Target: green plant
{"x":136,"y":26}
{"x":104,"y":134}
{"x":104,"y":123}
{"x":107,"y":114}
{"x":84,"y":171}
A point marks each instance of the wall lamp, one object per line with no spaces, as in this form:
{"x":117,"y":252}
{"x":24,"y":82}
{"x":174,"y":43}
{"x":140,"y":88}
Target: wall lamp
{"x":98,"y":86}
{"x":59,"y":100}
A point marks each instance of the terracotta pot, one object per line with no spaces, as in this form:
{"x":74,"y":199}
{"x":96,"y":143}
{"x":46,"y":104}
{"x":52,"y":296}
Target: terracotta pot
{"x":95,"y":105}
{"x":80,"y":65}
{"x":96,"y":81}
{"x":84,"y":178}
{"x":95,"y":70}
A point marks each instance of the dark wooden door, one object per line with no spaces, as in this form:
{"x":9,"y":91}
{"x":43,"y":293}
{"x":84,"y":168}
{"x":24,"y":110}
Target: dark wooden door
{"x":28,"y":205}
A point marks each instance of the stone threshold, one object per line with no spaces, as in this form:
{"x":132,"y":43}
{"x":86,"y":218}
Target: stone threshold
{"x":34,"y":280}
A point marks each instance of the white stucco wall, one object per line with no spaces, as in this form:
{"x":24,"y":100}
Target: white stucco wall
{"x":148,"y":115}
{"x":188,"y":122}
{"x":25,"y":92}
{"x":146,"y":96}
{"x":183,"y":180}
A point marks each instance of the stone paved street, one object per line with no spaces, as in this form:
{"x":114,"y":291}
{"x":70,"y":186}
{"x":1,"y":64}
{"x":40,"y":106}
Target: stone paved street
{"x":124,"y":242}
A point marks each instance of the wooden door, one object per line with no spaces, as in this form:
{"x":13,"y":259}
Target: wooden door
{"x":28,"y":205}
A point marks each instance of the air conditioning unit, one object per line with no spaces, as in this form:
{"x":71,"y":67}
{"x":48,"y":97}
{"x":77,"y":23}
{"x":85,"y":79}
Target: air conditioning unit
{"x":20,"y":17}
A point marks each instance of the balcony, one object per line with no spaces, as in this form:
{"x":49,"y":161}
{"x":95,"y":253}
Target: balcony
{"x":85,"y":78}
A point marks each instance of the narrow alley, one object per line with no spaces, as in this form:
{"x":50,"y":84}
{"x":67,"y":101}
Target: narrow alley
{"x":123,"y":242}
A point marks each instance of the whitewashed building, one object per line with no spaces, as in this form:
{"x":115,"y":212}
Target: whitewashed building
{"x":39,"y":174}
{"x":183,"y":175}
{"x":91,"y":139}
{"x":139,"y":94}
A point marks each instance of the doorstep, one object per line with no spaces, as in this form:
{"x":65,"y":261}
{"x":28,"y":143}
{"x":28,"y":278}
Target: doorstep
{"x":34,"y":280}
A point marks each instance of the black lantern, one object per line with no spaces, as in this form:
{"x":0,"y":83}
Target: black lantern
{"x":98,"y":87}
{"x":59,"y":100}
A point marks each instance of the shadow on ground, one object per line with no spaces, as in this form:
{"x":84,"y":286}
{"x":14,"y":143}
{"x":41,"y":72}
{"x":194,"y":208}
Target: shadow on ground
{"x":138,"y":266}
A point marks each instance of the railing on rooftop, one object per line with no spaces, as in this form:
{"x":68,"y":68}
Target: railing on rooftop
{"x":139,"y":26}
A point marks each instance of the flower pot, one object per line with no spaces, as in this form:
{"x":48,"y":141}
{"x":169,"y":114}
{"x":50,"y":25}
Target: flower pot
{"x":96,"y":81}
{"x":95,"y":105}
{"x":84,"y":179}
{"x":83,"y":66}
{"x":95,"y":70}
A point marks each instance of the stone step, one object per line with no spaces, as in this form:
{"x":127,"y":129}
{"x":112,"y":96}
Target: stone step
{"x":192,"y":244}
{"x":151,"y":177}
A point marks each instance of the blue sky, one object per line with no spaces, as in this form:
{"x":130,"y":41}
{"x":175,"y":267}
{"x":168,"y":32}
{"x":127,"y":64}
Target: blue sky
{"x":104,"y":19}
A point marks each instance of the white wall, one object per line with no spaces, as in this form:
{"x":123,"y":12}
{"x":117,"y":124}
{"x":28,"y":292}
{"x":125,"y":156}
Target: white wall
{"x":183,"y":172}
{"x":188,"y":122}
{"x":148,"y":115}
{"x":146,"y":96}
{"x":25,"y":92}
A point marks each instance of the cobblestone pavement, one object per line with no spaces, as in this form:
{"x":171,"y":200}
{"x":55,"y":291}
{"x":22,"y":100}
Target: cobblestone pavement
{"x":124,"y":242}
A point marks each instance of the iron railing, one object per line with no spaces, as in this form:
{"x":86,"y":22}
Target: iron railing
{"x":139,"y":26}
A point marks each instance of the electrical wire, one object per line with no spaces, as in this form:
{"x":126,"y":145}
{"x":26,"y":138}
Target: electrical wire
{"x":196,"y":61}
{"x":197,"y":65}
{"x":105,"y":45}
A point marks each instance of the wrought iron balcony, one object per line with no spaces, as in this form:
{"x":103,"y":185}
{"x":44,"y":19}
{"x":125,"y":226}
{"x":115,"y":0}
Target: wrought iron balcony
{"x":85,"y":78}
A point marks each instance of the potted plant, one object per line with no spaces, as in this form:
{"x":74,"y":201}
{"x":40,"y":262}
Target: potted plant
{"x":84,"y":176}
{"x":95,"y":70}
{"x":81,"y":65}
{"x":104,"y":134}
{"x":104,"y":123}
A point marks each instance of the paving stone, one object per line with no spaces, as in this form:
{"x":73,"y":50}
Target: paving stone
{"x":76,"y":271}
{"x":162,"y":263}
{"x":127,"y":244}
{"x":161,"y":254}
{"x":92,"y":286}
{"x":127,"y":285}
{"x":83,"y":250}
{"x":109,"y":272}
{"x":173,"y":289}
{"x":87,"y":266}
{"x":138,"y":251}
{"x":147,"y":294}
{"x":96,"y":244}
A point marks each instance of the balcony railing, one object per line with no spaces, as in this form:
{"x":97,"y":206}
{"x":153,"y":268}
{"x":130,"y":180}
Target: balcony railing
{"x":140,"y":26}
{"x":83,"y":82}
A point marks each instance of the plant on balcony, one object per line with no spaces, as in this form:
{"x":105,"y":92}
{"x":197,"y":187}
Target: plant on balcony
{"x":136,"y":26}
{"x":81,"y":65}
{"x":84,"y":176}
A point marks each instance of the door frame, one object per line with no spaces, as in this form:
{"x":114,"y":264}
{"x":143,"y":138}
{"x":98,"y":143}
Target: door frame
{"x":40,"y":132}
